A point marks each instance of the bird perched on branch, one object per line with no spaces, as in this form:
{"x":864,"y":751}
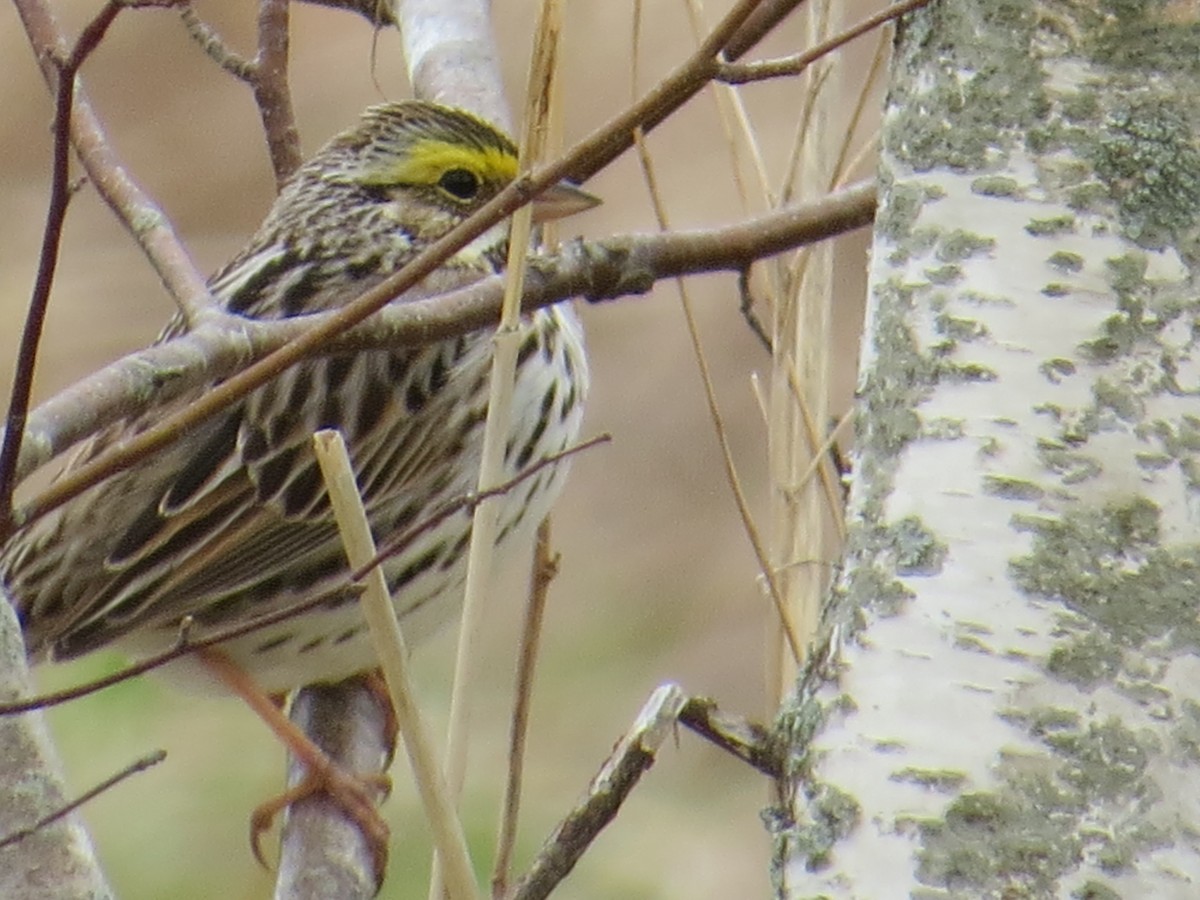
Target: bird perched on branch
{"x":232,"y":523}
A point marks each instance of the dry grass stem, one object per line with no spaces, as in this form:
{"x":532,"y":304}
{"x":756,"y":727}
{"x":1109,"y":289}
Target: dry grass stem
{"x":545,"y":568}
{"x":801,"y":335}
{"x":843,"y":162}
{"x":818,"y":443}
{"x":731,"y":110}
{"x":498,"y":425}
{"x":791,"y":635}
{"x":393,"y":658}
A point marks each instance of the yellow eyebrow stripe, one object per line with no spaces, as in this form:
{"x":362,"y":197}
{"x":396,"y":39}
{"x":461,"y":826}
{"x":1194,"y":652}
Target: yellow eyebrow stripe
{"x":425,"y":161}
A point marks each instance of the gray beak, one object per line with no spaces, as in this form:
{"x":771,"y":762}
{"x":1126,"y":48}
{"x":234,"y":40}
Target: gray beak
{"x":561,"y":200}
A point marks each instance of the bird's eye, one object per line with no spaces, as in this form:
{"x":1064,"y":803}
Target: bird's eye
{"x":460,"y":183}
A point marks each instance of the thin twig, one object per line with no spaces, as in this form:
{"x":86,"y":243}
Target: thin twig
{"x":634,"y":755}
{"x":61,"y":192}
{"x":390,"y":650}
{"x":545,"y":568}
{"x":741,"y":73}
{"x":758,"y":25}
{"x":748,"y":741}
{"x":139,"y":765}
{"x":861,"y":105}
{"x":818,"y":448}
{"x":378,"y":12}
{"x":134,"y":209}
{"x":207,"y":38}
{"x":56,"y":214}
{"x":746,"y":308}
{"x":186,"y":644}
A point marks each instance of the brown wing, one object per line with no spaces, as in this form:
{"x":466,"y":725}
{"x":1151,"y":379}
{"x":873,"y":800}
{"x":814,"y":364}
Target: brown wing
{"x":234,"y":520}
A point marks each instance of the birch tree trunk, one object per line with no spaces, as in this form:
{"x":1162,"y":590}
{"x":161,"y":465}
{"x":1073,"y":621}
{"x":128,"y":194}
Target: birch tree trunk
{"x":1008,"y":704}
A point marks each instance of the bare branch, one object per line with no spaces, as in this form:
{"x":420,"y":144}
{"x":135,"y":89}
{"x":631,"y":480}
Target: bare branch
{"x":545,"y":568}
{"x":758,"y":25}
{"x":56,"y":214}
{"x":207,"y":38}
{"x":140,"y":215}
{"x":378,"y":12}
{"x":794,"y":65}
{"x":324,"y":852}
{"x":138,"y":765}
{"x":748,"y":741}
{"x":452,"y":59}
{"x":271,"y":91}
{"x":611,"y":268}
{"x":630,"y":759}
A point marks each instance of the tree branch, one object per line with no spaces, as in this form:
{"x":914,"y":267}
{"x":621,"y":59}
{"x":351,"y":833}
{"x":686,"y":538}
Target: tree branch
{"x":614,"y":267}
{"x":794,"y":65}
{"x":634,"y":754}
{"x":56,"y":862}
{"x":269,"y":76}
{"x":131,"y":205}
{"x":56,"y":214}
{"x":324,"y":853}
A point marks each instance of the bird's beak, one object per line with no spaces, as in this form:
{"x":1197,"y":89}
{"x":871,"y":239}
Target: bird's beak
{"x":561,"y":200}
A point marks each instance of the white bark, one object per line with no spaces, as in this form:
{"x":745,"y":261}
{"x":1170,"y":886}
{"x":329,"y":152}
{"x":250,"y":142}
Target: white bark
{"x":1009,"y":704}
{"x":55,"y":861}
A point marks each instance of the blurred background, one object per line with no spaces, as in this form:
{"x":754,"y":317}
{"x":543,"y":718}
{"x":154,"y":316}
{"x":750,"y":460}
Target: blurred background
{"x":657,"y":578}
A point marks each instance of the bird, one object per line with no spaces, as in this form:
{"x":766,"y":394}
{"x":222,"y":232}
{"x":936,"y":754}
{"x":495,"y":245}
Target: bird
{"x":232,"y":523}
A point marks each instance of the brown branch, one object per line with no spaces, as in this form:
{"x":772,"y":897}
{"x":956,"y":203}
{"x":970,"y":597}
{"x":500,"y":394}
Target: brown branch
{"x":270,"y":81}
{"x":207,"y":38}
{"x":131,"y":205}
{"x":186,"y":644}
{"x":630,"y":759}
{"x":378,"y":12}
{"x":56,"y":214}
{"x":267,"y":75}
{"x":139,"y":765}
{"x":545,"y":568}
{"x":758,"y":25}
{"x":612,"y":139}
{"x":794,"y":65}
{"x":748,"y":741}
{"x":615,"y":267}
